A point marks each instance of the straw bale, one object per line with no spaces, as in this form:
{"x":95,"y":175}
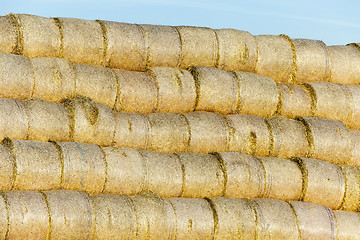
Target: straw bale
{"x":347,"y":225}
{"x":236,"y":218}
{"x":28,"y":215}
{"x":47,"y":121}
{"x":289,"y":138}
{"x":354,"y":90}
{"x":114,"y":216}
{"x":275,"y":57}
{"x":259,"y":95}
{"x":354,"y":159}
{"x":209,"y":132}
{"x":203,"y":175}
{"x":132,"y":130}
{"x":84,"y":167}
{"x":138,"y":92}
{"x":72,"y":215}
{"x":275,"y":220}
{"x":8,"y":34}
{"x":295,"y":100}
{"x":351,"y":200}
{"x":163,"y":45}
{"x":82,"y":41}
{"x":177,"y":92}
{"x":3,"y":217}
{"x":217,"y":90}
{"x":97,"y":83}
{"x":237,"y":50}
{"x":126,"y":46}
{"x":16,"y":77}
{"x":245,"y":176}
{"x":169,"y":132}
{"x":7,"y":163}
{"x":312,"y":61}
{"x":13,"y":120}
{"x":199,"y":46}
{"x":249,"y":134}
{"x":54,"y":79}
{"x":194,"y":218}
{"x":315,"y":221}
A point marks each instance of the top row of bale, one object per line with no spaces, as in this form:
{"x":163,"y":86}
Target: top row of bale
{"x":138,"y":47}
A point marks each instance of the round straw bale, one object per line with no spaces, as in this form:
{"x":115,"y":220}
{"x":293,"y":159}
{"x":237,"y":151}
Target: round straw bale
{"x":16,"y":77}
{"x":354,"y":90}
{"x":295,"y":100}
{"x":8,"y":34}
{"x":237,"y":50}
{"x":28,"y":215}
{"x":315,"y":221}
{"x":199,"y":46}
{"x":97,"y":83}
{"x":351,"y":200}
{"x":203,"y":176}
{"x":163,"y":45}
{"x":312,"y":61}
{"x":132,"y":130}
{"x":275,"y":57}
{"x":217,"y":90}
{"x":84,"y":167}
{"x":54,"y":79}
{"x":329,"y":140}
{"x":209,"y":132}
{"x":236,"y":218}
{"x":169,"y":132}
{"x":194,"y":218}
{"x":259,"y":95}
{"x":126,"y":47}
{"x":72,"y":215}
{"x":114,"y":216}
{"x":354,"y":159}
{"x":275,"y":220}
{"x":47,"y":121}
{"x":289,"y":138}
{"x":138,"y":92}
{"x":347,"y":225}
{"x":3,"y":217}
{"x":7,"y":164}
{"x":245,"y":176}
{"x":249,"y":134}
{"x":82,"y":41}
{"x":13,"y":119}
{"x":177,"y":92}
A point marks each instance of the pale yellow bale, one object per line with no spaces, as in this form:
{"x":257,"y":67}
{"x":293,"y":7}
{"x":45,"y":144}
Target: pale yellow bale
{"x":354,"y":90}
{"x":13,"y":119}
{"x":8,"y":34}
{"x":7,"y":164}
{"x":351,"y":201}
{"x":347,"y":225}
{"x":3,"y":217}
{"x":354,"y":159}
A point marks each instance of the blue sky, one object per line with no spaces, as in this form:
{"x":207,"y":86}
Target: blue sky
{"x":334,"y":22}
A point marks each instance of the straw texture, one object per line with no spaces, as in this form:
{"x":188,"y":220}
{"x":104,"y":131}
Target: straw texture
{"x":8,"y":35}
{"x":354,"y":159}
{"x":13,"y":120}
{"x":344,"y":221}
{"x":351,"y":201}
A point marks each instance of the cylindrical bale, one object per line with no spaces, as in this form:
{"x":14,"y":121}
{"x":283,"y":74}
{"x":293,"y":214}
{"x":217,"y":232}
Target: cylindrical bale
{"x":177,"y":92}
{"x":97,"y":83}
{"x":245,"y":176}
{"x":114,"y":216}
{"x":84,"y":167}
{"x":126,"y":46}
{"x":259,"y":95}
{"x":169,"y":132}
{"x":16,"y":77}
{"x":203,"y":176}
{"x":132,"y":130}
{"x":72,"y":215}
{"x":194,"y":218}
{"x":163,"y":45}
{"x":28,"y":215}
{"x":41,"y":36}
{"x":217,"y":90}
{"x":351,"y":200}
{"x":236,"y":218}
{"x":199,"y":46}
{"x":289,"y":138}
{"x":47,"y":121}
{"x":329,"y":140}
{"x":8,"y":34}
{"x":237,"y":50}
{"x":249,"y":134}
{"x":347,"y":225}
{"x":137,"y":92}
{"x":275,"y":220}
{"x":4,"y":223}
{"x":354,"y":90}
{"x":13,"y":119}
{"x":295,"y":100}
{"x":275,"y":57}
{"x":312,"y":61}
{"x":315,"y":221}
{"x":90,"y":122}
{"x":54,"y":79}
{"x":209,"y":132}
{"x":354,"y":159}
{"x":7,"y":164}
{"x":82,"y":41}
{"x":155,"y":217}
